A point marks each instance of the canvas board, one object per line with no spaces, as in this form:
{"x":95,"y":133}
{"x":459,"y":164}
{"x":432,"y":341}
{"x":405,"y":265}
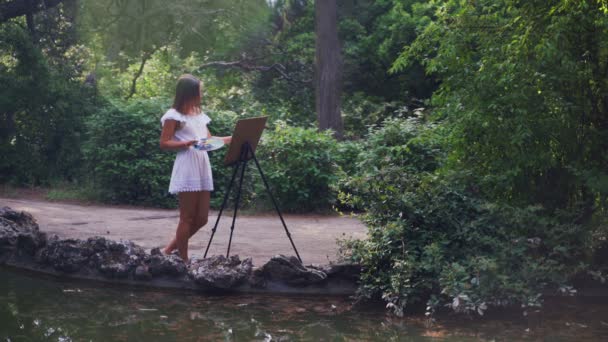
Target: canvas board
{"x":246,"y":131}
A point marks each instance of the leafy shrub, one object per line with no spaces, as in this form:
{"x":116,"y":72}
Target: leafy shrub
{"x":360,"y":112}
{"x":347,"y":155}
{"x":433,"y":241}
{"x":300,"y":166}
{"x":128,"y":167}
{"x":347,"y":158}
{"x":42,"y":114}
{"x":123,"y":154}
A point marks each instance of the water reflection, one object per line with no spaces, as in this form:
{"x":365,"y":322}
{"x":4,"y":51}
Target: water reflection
{"x":33,"y":308}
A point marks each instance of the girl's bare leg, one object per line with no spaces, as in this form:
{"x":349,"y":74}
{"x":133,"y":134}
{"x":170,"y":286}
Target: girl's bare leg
{"x":202,"y":212}
{"x":187,"y":216}
{"x":201,"y":218}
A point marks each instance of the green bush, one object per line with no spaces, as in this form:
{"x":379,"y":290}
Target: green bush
{"x":123,"y":156}
{"x":360,"y":112}
{"x":433,"y":241}
{"x":347,"y":156}
{"x":42,"y":114}
{"x":300,"y":166}
{"x":127,"y":166}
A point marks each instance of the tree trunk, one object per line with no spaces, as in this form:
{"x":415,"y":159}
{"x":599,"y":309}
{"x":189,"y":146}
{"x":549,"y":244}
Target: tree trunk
{"x":328,"y":67}
{"x":29,"y":18}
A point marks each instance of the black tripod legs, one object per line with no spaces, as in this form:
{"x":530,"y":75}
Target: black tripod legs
{"x":217,"y":221}
{"x":246,"y":153}
{"x":236,"y":206}
{"x":276,"y":207}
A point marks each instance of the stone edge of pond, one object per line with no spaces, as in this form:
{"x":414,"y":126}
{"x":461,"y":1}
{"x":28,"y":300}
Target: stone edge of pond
{"x":24,"y":246}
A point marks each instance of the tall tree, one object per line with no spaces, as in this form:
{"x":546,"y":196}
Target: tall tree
{"x":328,"y":67}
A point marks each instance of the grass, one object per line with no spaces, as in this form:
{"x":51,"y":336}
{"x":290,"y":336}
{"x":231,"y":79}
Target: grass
{"x":69,"y":194}
{"x":11,"y":191}
{"x":60,"y":192}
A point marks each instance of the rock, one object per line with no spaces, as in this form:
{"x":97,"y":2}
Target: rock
{"x":30,"y":242}
{"x":21,"y":218}
{"x":23,"y":245}
{"x":8,"y":235}
{"x":288,"y":270}
{"x":346,"y":272}
{"x":142,"y":273}
{"x":115,"y":259}
{"x":219,"y":272}
{"x":165,"y":265}
{"x":112,"y":259}
{"x":68,"y":255}
{"x":19,"y":233}
{"x":114,"y":270}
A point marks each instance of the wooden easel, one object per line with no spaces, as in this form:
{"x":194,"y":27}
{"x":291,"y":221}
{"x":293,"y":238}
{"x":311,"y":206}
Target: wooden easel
{"x":245,"y":139}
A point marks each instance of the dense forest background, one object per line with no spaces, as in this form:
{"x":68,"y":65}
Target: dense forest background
{"x":474,"y":132}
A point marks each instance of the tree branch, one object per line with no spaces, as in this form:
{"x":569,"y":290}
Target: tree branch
{"x":248,"y":65}
{"x":17,"y":8}
{"x":146,"y":56}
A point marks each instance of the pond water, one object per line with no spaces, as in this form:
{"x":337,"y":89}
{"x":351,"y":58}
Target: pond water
{"x":34,"y":308}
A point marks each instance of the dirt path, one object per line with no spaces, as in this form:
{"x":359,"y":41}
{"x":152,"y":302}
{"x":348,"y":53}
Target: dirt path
{"x":259,"y":237}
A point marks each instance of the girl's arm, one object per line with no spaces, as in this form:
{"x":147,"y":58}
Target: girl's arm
{"x":226,"y":140}
{"x":166,"y":141}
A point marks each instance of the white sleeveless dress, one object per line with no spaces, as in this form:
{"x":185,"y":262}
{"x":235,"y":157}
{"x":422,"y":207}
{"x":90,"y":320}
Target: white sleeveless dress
{"x":191,"y":169}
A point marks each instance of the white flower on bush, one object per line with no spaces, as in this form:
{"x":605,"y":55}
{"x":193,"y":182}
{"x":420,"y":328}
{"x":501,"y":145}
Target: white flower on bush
{"x":462,"y":303}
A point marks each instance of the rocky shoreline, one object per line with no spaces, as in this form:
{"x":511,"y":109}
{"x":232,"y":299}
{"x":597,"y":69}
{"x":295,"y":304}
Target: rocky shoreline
{"x":24,"y":246}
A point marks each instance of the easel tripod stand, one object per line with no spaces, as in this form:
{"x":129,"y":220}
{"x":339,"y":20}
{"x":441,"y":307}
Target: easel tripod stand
{"x":246,"y":154}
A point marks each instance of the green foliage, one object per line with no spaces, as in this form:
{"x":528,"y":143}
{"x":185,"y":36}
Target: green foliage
{"x":360,"y":112}
{"x":525,"y":93}
{"x":300,"y":166}
{"x":42,"y":113}
{"x":130,"y":168}
{"x":347,"y":155}
{"x":433,"y":241}
{"x":128,"y":28}
{"x":123,"y":156}
{"x":373,"y":34}
{"x":505,"y":199}
{"x":76,"y":192}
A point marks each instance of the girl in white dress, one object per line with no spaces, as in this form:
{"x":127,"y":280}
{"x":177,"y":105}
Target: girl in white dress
{"x":191,"y":179}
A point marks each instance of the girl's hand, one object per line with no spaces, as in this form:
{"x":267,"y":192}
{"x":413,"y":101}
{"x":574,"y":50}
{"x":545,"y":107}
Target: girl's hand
{"x":187,"y":144}
{"x":227,"y":140}
{"x":166,"y":137}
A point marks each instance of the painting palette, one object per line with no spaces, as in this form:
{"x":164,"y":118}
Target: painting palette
{"x":210,"y":144}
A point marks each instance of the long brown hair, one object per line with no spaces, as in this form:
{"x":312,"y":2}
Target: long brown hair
{"x":187,"y":94}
